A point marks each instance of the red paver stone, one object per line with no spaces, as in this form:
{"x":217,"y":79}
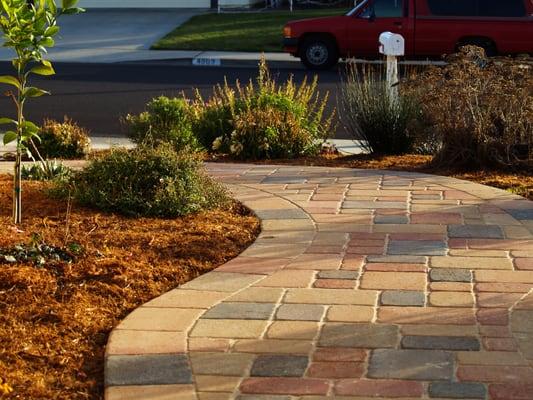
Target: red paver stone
{"x":494,"y":331}
{"x":503,"y":287}
{"x":524,"y":263}
{"x":511,"y":391}
{"x":379,"y":388}
{"x":334,"y":284}
{"x":500,"y":344}
{"x":417,"y":236}
{"x":499,"y":373}
{"x":339,"y":354}
{"x":336,"y":370}
{"x":291,"y":386}
{"x":493,"y":316}
{"x":436,"y":218}
{"x":457,"y":243}
{"x":365,"y":250}
{"x":498,"y":300}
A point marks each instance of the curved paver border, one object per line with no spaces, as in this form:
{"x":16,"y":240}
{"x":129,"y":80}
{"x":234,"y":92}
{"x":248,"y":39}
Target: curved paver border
{"x":205,"y":339}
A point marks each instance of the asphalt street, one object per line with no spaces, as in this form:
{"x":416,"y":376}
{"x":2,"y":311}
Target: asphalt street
{"x":99,"y":95}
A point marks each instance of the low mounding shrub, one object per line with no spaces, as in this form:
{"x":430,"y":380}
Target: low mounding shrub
{"x":384,"y":125}
{"x":262,"y":119}
{"x":164,"y":121}
{"x":147,"y":181}
{"x":480,"y":110}
{"x":46,"y":171}
{"x":66,"y":140}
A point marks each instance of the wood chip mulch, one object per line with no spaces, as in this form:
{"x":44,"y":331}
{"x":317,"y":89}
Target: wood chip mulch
{"x":55,"y":319}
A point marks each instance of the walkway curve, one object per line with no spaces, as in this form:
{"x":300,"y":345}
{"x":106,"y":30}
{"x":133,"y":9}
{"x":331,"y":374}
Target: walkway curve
{"x":363,"y":284}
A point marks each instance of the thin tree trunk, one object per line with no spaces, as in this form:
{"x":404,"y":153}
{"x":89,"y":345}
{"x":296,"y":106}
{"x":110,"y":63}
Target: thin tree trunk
{"x":17,"y":190}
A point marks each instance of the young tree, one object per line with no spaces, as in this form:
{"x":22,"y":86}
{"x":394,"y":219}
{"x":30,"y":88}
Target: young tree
{"x":28,"y":28}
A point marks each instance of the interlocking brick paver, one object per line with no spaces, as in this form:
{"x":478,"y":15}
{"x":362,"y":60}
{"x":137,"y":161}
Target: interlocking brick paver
{"x":161,"y":369}
{"x":279,"y":365}
{"x":363,"y":285}
{"x":457,"y":390}
{"x":379,"y":388}
{"x":411,"y":364}
{"x":441,"y":343}
{"x":300,"y":312}
{"x":358,"y":335}
{"x":402,"y":298}
{"x":398,"y":280}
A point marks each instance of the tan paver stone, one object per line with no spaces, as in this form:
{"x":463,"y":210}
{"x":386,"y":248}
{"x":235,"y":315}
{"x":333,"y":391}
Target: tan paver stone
{"x":226,"y":364}
{"x":285,"y":237}
{"x":396,"y":280}
{"x":215,"y":396}
{"x":503,"y":300}
{"x":451,"y":299}
{"x":160,"y":319}
{"x":288,"y":225}
{"x":222,"y":281}
{"x":210,"y":345}
{"x":256,"y":294}
{"x":288,"y":279}
{"x":471,"y":262}
{"x":152,"y":392}
{"x":216,"y":383}
{"x":228,"y":328}
{"x":273,"y":346}
{"x":292,"y":330}
{"x":340,"y":313}
{"x":254,"y":265}
{"x":348,"y":228}
{"x":479,"y":253}
{"x":504,"y":276}
{"x":517,"y":232}
{"x":273,"y":250}
{"x":450,"y":287}
{"x":187,"y":299}
{"x":439,"y":330}
{"x":124,"y":342}
{"x":331,"y":296}
{"x":316,"y":262}
{"x":427,"y":315}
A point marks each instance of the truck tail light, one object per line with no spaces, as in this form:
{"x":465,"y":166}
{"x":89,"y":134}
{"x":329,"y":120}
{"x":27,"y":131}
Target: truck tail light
{"x":287,"y":32}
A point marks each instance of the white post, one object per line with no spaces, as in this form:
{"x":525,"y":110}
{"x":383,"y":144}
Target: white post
{"x":392,"y":77}
{"x":291,"y":5}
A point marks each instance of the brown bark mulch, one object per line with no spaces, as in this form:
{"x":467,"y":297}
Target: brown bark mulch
{"x":55,"y":318}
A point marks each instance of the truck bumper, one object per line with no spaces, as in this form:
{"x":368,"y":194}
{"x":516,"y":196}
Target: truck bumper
{"x":290,"y":45}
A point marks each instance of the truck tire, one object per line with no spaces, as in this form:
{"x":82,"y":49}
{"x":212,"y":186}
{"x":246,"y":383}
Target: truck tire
{"x":319,"y":53}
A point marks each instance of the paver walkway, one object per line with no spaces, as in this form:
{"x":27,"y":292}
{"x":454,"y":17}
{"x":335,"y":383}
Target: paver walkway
{"x":363,"y":284}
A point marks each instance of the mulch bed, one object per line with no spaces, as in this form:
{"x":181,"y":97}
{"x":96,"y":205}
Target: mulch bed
{"x":55,"y":318}
{"x":518,"y":182}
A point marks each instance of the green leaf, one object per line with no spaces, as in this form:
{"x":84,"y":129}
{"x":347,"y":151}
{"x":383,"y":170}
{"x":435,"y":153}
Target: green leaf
{"x":9,"y":137}
{"x":30,"y":127}
{"x":47,"y":42}
{"x":10,"y":80}
{"x":72,"y":11}
{"x":43,"y":69}
{"x":66,"y":4}
{"x":51,"y":30}
{"x":34,"y":92}
{"x":6,"y":121}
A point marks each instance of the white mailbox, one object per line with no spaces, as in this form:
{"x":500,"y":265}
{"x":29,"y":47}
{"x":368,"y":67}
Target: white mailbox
{"x":391,"y":44}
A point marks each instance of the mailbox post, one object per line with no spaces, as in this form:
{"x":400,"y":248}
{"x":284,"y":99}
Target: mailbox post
{"x":392,"y":46}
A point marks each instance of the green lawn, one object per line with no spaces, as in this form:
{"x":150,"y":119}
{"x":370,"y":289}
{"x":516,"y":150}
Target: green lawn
{"x":260,"y":31}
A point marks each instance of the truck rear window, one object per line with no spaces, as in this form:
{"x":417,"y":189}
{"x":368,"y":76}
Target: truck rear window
{"x":477,"y":8}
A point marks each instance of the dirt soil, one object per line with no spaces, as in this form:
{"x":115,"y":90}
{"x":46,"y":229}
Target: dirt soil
{"x":518,"y":182}
{"x":55,"y":319}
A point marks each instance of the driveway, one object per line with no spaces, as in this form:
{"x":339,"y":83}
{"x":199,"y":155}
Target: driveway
{"x":114,"y":35}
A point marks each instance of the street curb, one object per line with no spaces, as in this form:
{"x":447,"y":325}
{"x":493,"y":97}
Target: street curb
{"x":220,"y":63}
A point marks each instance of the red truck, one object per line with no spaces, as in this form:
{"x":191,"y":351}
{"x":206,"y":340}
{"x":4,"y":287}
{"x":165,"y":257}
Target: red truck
{"x":431,"y":28}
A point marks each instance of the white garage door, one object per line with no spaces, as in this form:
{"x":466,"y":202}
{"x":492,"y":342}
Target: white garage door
{"x":145,"y":3}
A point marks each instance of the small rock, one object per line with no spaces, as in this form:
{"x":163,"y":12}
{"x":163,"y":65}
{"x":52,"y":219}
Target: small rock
{"x":10,"y":259}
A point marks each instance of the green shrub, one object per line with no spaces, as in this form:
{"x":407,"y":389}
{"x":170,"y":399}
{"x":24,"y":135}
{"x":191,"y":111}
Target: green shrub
{"x":164,"y":121}
{"x":262,"y":119}
{"x":384,"y":125}
{"x":480,"y":110}
{"x":66,"y":140}
{"x":147,"y":181}
{"x":45,"y":171}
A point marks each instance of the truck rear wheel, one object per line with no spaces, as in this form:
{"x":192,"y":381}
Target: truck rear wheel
{"x":486,"y":44}
{"x":318,"y":53}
